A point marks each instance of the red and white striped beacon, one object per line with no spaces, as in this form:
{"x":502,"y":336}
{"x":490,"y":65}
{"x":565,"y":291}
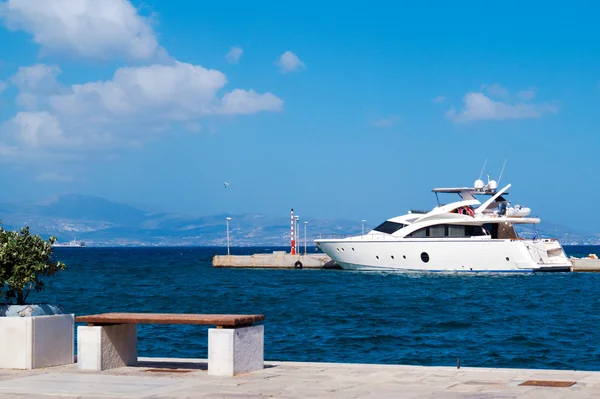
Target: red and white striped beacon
{"x":293,"y":235}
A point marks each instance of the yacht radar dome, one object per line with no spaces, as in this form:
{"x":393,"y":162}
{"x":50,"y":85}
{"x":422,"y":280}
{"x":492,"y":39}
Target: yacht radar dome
{"x":478,"y":184}
{"x":492,"y":185}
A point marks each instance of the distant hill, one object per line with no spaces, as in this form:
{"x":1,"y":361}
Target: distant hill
{"x":80,"y":207}
{"x":100,"y":222}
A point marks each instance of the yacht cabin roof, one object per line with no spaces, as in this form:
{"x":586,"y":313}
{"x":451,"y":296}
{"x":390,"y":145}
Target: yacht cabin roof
{"x":460,"y":190}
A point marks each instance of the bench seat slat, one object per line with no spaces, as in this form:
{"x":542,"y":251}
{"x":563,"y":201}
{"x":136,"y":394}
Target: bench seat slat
{"x":223,"y":320}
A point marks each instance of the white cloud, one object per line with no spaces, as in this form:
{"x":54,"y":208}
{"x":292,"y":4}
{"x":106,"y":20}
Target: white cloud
{"x":36,"y":78}
{"x":386,"y":121}
{"x":27,"y":101}
{"x":288,"y":62}
{"x":3,"y":86}
{"x":439,"y":99}
{"x":34,"y":83}
{"x":174,"y":92}
{"x":526,"y":95}
{"x":99,"y":29}
{"x":234,"y":55}
{"x":249,"y":102}
{"x":61,"y":121}
{"x":495,"y":90}
{"x":477,"y":106}
{"x":55,"y":177}
{"x":35,"y":130}
{"x":138,"y":104}
{"x":178,"y":92}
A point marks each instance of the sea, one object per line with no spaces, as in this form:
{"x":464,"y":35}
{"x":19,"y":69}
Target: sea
{"x":541,"y":320}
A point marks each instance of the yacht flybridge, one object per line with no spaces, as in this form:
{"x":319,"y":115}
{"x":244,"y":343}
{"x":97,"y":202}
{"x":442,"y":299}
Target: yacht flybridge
{"x":468,"y":235}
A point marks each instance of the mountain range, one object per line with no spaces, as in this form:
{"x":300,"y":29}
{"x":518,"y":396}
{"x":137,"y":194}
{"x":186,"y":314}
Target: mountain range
{"x":101,"y":222}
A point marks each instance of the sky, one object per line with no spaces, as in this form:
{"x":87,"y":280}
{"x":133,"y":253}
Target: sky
{"x":336,"y":109}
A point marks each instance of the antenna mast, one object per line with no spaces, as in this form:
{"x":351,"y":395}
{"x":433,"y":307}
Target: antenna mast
{"x":502,"y":172}
{"x":482,"y":169}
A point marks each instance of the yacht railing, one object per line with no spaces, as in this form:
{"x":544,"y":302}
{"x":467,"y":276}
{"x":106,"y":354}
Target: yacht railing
{"x":335,"y":236}
{"x":383,"y":236}
{"x":371,"y":236}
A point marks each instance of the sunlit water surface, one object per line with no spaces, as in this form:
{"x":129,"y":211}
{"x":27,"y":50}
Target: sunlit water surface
{"x":488,"y":320}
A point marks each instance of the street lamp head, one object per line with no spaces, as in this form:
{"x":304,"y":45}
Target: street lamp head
{"x":363,"y":220}
{"x":228,"y":218}
{"x":305,"y":222}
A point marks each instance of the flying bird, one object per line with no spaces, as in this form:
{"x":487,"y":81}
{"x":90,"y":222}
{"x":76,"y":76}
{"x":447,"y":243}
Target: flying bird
{"x":225,"y":184}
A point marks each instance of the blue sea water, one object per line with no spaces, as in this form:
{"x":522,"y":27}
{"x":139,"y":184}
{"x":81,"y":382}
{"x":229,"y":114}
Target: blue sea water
{"x":488,"y":320}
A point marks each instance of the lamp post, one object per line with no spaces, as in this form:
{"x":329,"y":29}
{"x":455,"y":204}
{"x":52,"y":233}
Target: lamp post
{"x":297,"y":230}
{"x":363,"y":226}
{"x":227,"y":222}
{"x":305,"y":223}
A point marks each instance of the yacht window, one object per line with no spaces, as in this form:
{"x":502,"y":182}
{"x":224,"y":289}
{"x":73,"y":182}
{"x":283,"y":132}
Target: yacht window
{"x":437,"y":231}
{"x":449,"y":230}
{"x":389,"y":227}
{"x":456,"y":231}
{"x":419,"y":233}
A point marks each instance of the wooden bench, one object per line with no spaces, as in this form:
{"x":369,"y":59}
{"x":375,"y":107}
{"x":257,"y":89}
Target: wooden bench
{"x":109,"y":340}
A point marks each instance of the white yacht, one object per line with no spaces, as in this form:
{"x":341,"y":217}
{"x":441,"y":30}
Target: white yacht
{"x":468,"y":235}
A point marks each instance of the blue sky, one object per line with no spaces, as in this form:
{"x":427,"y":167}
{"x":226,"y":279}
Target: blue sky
{"x":336,"y":109}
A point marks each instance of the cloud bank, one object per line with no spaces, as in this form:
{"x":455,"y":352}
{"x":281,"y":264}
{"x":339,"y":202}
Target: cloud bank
{"x":478,"y":106}
{"x":97,"y":29}
{"x":153,"y":97}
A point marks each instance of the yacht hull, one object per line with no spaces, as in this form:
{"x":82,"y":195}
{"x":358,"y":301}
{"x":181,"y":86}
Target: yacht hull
{"x":447,"y":255}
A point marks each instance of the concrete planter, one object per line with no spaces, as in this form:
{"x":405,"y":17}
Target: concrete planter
{"x":34,"y":336}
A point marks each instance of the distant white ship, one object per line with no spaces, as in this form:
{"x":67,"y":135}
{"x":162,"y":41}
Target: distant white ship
{"x":73,"y":243}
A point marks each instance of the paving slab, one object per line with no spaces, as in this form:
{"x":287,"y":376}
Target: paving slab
{"x":160,"y":378}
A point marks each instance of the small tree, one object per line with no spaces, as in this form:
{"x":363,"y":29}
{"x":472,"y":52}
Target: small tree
{"x":24,"y":260}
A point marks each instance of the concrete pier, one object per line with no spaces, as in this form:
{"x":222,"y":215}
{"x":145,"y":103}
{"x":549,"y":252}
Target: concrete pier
{"x":585,"y":265}
{"x":276,"y":260}
{"x":188,"y":378}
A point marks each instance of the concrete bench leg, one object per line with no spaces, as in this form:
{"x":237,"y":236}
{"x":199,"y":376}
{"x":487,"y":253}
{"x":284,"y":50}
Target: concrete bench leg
{"x":106,"y":347}
{"x":233,"y":351}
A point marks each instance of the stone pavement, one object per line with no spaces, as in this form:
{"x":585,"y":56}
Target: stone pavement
{"x":187,"y":378}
